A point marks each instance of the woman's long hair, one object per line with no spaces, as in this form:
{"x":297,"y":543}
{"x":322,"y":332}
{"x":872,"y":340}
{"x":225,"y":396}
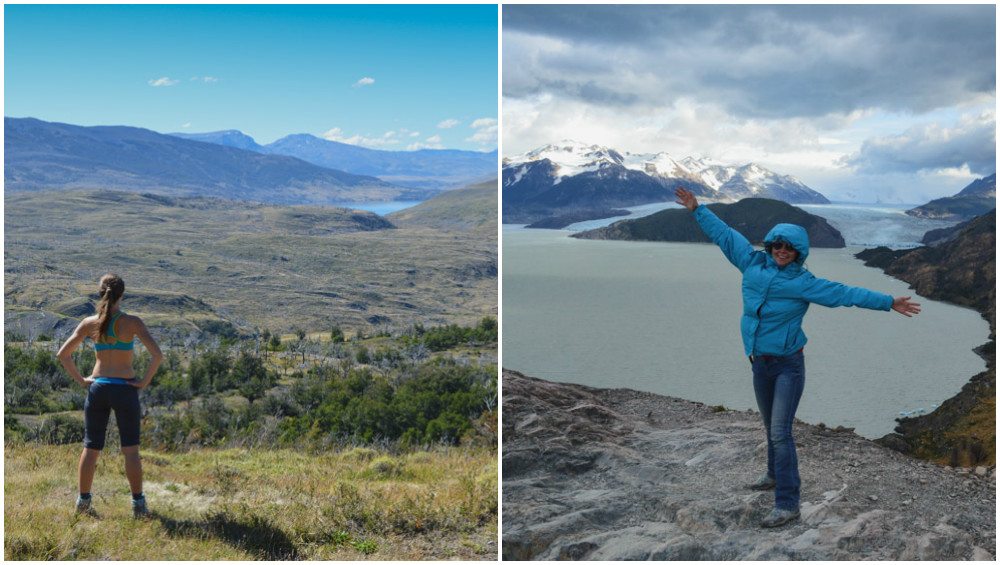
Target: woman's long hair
{"x":111,"y":290}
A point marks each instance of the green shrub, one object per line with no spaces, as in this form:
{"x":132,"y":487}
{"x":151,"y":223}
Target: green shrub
{"x":60,"y":429}
{"x":337,"y":335}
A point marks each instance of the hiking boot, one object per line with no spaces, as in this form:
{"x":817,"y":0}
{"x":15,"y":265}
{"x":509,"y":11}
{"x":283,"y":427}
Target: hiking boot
{"x":779,"y":517}
{"x":83,"y":505}
{"x":763,"y":482}
{"x":139,"y":509}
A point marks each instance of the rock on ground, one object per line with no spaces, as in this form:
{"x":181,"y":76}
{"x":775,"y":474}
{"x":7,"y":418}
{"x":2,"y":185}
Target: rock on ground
{"x":619,"y":474}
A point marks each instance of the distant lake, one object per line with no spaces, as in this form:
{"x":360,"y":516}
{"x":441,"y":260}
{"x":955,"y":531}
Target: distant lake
{"x":380,"y":208}
{"x":664,"y":318}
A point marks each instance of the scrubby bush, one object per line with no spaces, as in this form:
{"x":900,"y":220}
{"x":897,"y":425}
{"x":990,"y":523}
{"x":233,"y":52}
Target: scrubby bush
{"x":450,"y":336}
{"x":337,"y":335}
{"x":381,"y":396}
{"x":13,"y":429}
{"x":437,"y":402}
{"x":60,"y":429}
{"x":31,"y":379}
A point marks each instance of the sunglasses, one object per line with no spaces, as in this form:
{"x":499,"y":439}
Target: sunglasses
{"x":781,"y":245}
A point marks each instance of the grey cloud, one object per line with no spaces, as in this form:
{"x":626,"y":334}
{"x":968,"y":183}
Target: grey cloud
{"x":756,"y":61}
{"x":930,"y":148}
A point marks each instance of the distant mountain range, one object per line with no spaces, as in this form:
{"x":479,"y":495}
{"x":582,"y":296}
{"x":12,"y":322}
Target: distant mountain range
{"x":978,"y":198}
{"x":570,"y":176}
{"x":42,"y":155}
{"x":425,"y":168}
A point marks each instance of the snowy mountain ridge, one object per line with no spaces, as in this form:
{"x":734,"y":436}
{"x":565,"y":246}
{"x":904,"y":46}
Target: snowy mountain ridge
{"x":569,"y":158}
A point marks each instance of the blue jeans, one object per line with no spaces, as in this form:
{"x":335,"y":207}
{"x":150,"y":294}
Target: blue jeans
{"x":778,"y":384}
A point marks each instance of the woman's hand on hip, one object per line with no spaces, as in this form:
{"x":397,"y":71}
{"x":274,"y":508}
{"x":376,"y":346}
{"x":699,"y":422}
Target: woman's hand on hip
{"x":87,"y":381}
{"x":903,"y":305}
{"x":686,"y":198}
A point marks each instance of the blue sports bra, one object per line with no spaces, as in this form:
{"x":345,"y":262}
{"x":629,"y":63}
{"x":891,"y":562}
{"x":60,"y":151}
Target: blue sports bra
{"x":117,"y":343}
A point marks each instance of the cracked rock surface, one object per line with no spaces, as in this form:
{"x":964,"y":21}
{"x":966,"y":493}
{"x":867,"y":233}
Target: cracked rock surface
{"x":619,"y":474}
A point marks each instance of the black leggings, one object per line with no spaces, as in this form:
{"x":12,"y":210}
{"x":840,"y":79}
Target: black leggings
{"x":101,"y":400}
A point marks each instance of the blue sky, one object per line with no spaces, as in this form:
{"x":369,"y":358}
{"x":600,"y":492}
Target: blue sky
{"x":863,"y":103}
{"x":387,"y":77}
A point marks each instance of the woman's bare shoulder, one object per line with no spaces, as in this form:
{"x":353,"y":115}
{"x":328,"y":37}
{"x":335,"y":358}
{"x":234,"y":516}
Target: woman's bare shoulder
{"x":132,"y":321}
{"x":87,"y":326}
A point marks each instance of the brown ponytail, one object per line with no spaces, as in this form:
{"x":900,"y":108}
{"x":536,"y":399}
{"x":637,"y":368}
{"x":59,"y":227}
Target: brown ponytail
{"x":111,"y":290}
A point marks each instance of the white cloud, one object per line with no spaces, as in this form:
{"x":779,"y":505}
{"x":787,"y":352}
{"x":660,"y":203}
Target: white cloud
{"x":163,"y":81}
{"x":969,"y":145}
{"x":186,"y":125}
{"x":364,"y":81}
{"x":205,"y":79}
{"x":486,"y":131}
{"x":386,"y":139}
{"x":414,"y":134}
{"x":432,"y":142}
{"x":484,"y":123}
{"x":448,"y":124}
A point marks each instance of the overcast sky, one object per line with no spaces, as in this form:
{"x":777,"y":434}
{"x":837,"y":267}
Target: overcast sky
{"x":862,"y":103}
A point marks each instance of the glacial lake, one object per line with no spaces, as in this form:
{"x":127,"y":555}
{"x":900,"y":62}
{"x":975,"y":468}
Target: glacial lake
{"x":664,"y":318}
{"x":380,"y":208}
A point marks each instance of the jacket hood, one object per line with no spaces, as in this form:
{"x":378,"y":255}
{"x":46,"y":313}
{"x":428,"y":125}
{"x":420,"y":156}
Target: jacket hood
{"x":794,"y":234}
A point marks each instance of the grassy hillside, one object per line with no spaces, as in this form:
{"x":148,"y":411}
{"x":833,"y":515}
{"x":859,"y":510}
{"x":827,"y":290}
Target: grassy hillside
{"x":239,"y":504}
{"x":470,"y":208}
{"x":305,"y":447}
{"x":249,"y":265}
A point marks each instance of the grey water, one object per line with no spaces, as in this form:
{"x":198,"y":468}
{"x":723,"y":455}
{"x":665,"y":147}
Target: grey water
{"x":664,"y":318}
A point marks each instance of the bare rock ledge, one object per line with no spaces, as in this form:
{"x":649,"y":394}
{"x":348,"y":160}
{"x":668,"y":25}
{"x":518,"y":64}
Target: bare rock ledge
{"x":619,"y":474}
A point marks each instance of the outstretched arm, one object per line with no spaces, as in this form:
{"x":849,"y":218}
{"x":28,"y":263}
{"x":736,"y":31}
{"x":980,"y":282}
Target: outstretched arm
{"x":833,"y":294}
{"x":66,"y":354}
{"x":734,"y":246}
{"x":154,"y":351}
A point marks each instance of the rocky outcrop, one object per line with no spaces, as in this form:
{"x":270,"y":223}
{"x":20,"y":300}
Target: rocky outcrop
{"x":618,"y":474}
{"x":752,"y":217}
{"x":962,"y":431}
{"x":962,"y":272}
{"x":941,"y":236}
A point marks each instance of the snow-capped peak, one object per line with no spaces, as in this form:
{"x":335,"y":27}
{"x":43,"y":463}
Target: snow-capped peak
{"x":660,"y":165}
{"x":571,"y":157}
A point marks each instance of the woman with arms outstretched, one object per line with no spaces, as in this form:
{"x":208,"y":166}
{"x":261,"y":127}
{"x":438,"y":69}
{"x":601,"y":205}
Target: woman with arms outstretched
{"x":777,"y":291}
{"x":111,"y":387}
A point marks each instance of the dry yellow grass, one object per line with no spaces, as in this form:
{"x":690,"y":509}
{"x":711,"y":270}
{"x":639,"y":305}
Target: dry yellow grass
{"x":267,"y":504}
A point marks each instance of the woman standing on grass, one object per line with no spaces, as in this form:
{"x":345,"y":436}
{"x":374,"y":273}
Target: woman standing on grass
{"x":111,"y":386}
{"x":777,"y":291}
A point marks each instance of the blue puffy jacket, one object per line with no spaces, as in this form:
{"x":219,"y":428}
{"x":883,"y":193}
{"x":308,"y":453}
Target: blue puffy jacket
{"x":775,"y":299}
